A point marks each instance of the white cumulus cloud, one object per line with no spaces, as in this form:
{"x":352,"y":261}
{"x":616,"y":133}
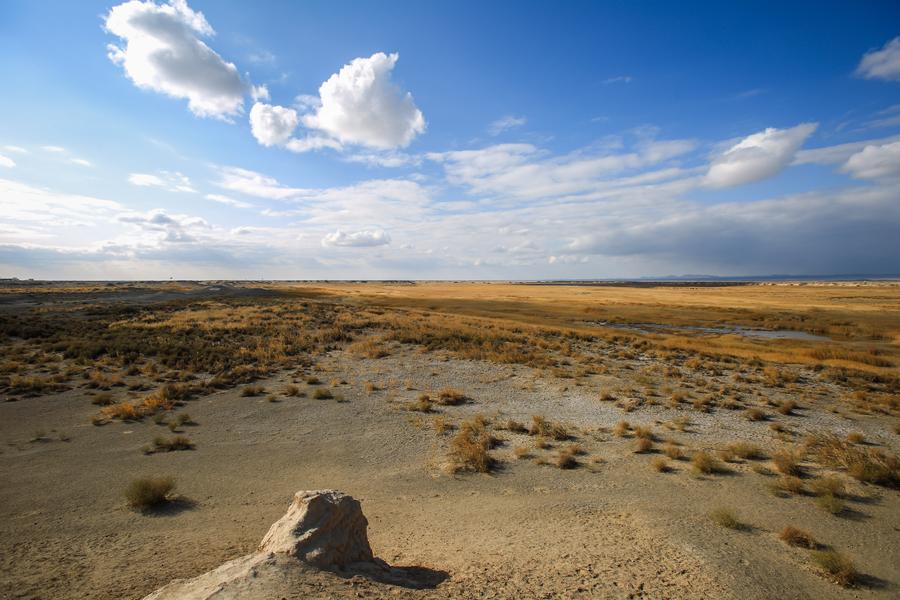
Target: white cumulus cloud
{"x":883,"y":63}
{"x":7,"y":162}
{"x":228,"y":201}
{"x":874,"y":162}
{"x":360,"y":104}
{"x":758,"y":156}
{"x":272,"y":125}
{"x":358,"y":239}
{"x":163,"y":52}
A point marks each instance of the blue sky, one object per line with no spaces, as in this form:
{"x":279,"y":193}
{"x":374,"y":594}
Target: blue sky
{"x":448,"y":140}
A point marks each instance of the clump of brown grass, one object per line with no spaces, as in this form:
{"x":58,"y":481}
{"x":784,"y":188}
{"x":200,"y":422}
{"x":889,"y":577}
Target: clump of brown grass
{"x":451,"y":397}
{"x":149,"y":492}
{"x":754,"y":414}
{"x":124,"y":411}
{"x":421,"y":404}
{"x":866,"y":465}
{"x":672,"y":450}
{"x":746,"y":451}
{"x":644,"y":432}
{"x":252,"y":390}
{"x":323,"y":394}
{"x":522,"y":452}
{"x":469,"y":447}
{"x":725,"y":517}
{"x":828,"y":486}
{"x":793,"y":536}
{"x":291,"y":390}
{"x":161,"y":444}
{"x":643,"y":445}
{"x":786,"y":407}
{"x":542,"y":427}
{"x":856,"y":437}
{"x":621,"y":429}
{"x":368,"y":348}
{"x":787,"y":484}
{"x":831,"y":504}
{"x":515,"y":426}
{"x":313,"y":380}
{"x":441,"y":425}
{"x":787,"y":461}
{"x":660,"y":464}
{"x":541,"y":443}
{"x":565,"y":458}
{"x":836,"y":567}
{"x":704,"y":462}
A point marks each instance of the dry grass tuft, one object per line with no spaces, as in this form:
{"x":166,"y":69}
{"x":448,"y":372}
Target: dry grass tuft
{"x":793,"y":536}
{"x":621,"y":429}
{"x":322,"y":394}
{"x":672,"y":450}
{"x":866,"y":465}
{"x":746,"y":451}
{"x":451,"y":397}
{"x":660,"y":464}
{"x":643,"y":445}
{"x":540,"y":426}
{"x":755,"y":414}
{"x":836,"y":567}
{"x":831,"y":504}
{"x":421,"y":404}
{"x":787,"y":461}
{"x":469,"y":447}
{"x":149,"y":492}
{"x":704,"y":462}
{"x":787,"y":484}
{"x":724,"y":517}
{"x":253,"y":390}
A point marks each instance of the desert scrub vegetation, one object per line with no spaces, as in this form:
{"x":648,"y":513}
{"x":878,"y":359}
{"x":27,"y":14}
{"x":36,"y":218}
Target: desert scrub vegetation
{"x":421,"y":404}
{"x":836,"y":567}
{"x":544,"y":428}
{"x":725,"y":517}
{"x":322,"y":394}
{"x":161,"y":444}
{"x":705,"y":463}
{"x":469,"y":448}
{"x":787,"y":461}
{"x":368,"y":348}
{"x":451,"y":397}
{"x":867,"y":465}
{"x":746,"y":450}
{"x":800,"y":538}
{"x":252,"y":390}
{"x":147,"y":493}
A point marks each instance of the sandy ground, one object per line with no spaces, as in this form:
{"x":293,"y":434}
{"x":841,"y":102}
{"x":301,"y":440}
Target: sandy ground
{"x":613,"y":528}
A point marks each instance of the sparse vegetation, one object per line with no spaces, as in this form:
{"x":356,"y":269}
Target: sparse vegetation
{"x":149,"y":492}
{"x":836,"y":567}
{"x":725,"y":517}
{"x":798,"y":537}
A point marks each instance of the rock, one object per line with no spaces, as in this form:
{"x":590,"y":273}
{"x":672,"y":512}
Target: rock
{"x":322,"y":529}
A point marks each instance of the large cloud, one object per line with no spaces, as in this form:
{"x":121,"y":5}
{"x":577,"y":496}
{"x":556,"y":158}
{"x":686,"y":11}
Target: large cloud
{"x":875,"y":162}
{"x":163,"y":52}
{"x":7,"y":162}
{"x":361,"y":105}
{"x":758,"y":156}
{"x":272,"y":125}
{"x":883,"y":63}
{"x":357,"y":239}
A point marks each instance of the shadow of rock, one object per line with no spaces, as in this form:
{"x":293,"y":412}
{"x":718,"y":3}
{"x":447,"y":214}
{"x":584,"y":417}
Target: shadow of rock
{"x":417,"y":578}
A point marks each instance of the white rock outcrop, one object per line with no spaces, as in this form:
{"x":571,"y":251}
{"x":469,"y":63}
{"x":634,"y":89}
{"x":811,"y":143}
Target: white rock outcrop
{"x":323,"y":529}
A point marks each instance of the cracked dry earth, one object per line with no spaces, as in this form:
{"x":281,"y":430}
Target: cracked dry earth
{"x":611,"y":528}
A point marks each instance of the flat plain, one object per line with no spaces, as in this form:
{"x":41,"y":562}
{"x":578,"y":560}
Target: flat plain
{"x":505,"y":439}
